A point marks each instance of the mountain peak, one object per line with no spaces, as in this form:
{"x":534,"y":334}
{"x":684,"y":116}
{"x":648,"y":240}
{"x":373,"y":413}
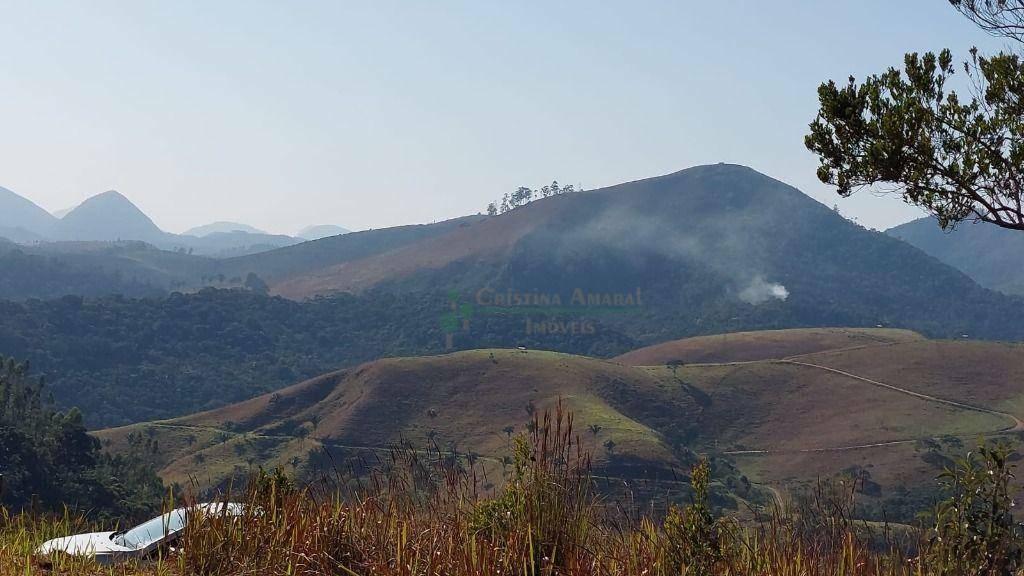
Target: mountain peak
{"x":18,"y":212}
{"x":319,"y":231}
{"x":723,"y":169}
{"x":221,"y":226}
{"x":110,"y":196}
{"x":107,"y":216}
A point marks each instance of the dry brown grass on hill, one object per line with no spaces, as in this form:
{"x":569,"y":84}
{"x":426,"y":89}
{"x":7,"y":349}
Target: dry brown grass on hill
{"x":474,"y":401}
{"x":989,"y":374}
{"x":425,"y":516}
{"x":484,"y":240}
{"x":761,"y":345}
{"x":468,"y":400}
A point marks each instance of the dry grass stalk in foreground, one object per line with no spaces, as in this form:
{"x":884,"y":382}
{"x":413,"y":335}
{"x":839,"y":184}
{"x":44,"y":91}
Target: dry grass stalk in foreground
{"x":425,"y":516}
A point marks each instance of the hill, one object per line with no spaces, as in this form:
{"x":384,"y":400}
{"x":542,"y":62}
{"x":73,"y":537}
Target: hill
{"x":321,"y":231}
{"x":705,"y":250}
{"x":125,"y":360}
{"x":470,"y":401}
{"x":711,"y":249}
{"x":108,"y":216}
{"x":278,"y":265}
{"x":111,"y":217}
{"x":761,"y":345}
{"x":221,"y":226}
{"x":235,"y":243}
{"x":783,"y":422}
{"x":992,"y":256}
{"x":95,"y":269}
{"x":21,"y":219}
{"x":788,"y":419}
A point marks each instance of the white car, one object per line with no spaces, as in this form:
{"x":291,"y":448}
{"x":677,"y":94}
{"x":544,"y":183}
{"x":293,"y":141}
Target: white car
{"x":137,"y":542}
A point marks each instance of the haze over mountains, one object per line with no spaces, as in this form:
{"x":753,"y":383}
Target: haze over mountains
{"x":106,"y":217}
{"x":111,"y":217}
{"x":321,"y":231}
{"x":21,"y":220}
{"x":221,"y":226}
{"x":993,"y":256}
{"x":711,"y":246}
{"x":706,"y":250}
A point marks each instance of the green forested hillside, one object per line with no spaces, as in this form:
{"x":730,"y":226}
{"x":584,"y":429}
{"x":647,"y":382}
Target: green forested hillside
{"x":125,"y":360}
{"x":48,"y":460}
{"x":992,"y":256}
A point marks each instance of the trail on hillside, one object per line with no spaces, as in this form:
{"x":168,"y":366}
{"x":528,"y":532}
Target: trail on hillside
{"x":1017,"y":426}
{"x":289,"y":437}
{"x":376,"y":450}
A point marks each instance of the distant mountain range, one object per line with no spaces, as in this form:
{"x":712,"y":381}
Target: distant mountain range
{"x":711,"y":248}
{"x":992,"y":256}
{"x":321,"y":231}
{"x":706,"y":250}
{"x":111,"y":217}
{"x":21,"y":220}
{"x":221,"y":227}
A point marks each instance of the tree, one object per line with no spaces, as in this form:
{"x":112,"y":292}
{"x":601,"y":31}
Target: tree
{"x":256,"y":284}
{"x":907,"y":132}
{"x":47,"y":457}
{"x":492,"y":210}
{"x":698,"y":541}
{"x":997,"y":17}
{"x":521,"y":197}
{"x":975,"y":531}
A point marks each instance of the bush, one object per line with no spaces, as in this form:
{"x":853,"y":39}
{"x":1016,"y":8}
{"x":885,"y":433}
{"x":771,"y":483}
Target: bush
{"x":974,"y":530}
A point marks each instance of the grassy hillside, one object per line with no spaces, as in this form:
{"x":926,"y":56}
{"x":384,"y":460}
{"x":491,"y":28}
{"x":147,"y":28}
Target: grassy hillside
{"x":469,"y":401}
{"x":276,"y":266}
{"x":784,"y":423}
{"x":761,"y":345}
{"x":891,"y":412}
{"x":987,"y":374}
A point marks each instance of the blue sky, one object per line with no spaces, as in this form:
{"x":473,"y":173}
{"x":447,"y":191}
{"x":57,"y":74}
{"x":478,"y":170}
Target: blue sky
{"x":384,"y":113}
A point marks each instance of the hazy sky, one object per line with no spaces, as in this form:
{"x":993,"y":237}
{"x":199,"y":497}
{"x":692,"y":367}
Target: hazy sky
{"x":283,"y":114}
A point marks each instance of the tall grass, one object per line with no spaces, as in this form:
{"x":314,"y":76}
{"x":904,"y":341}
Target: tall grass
{"x":424,"y":513}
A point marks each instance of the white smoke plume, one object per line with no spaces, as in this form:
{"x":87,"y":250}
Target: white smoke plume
{"x":760,"y":291}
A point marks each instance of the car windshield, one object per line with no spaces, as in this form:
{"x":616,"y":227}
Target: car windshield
{"x":153,"y":530}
